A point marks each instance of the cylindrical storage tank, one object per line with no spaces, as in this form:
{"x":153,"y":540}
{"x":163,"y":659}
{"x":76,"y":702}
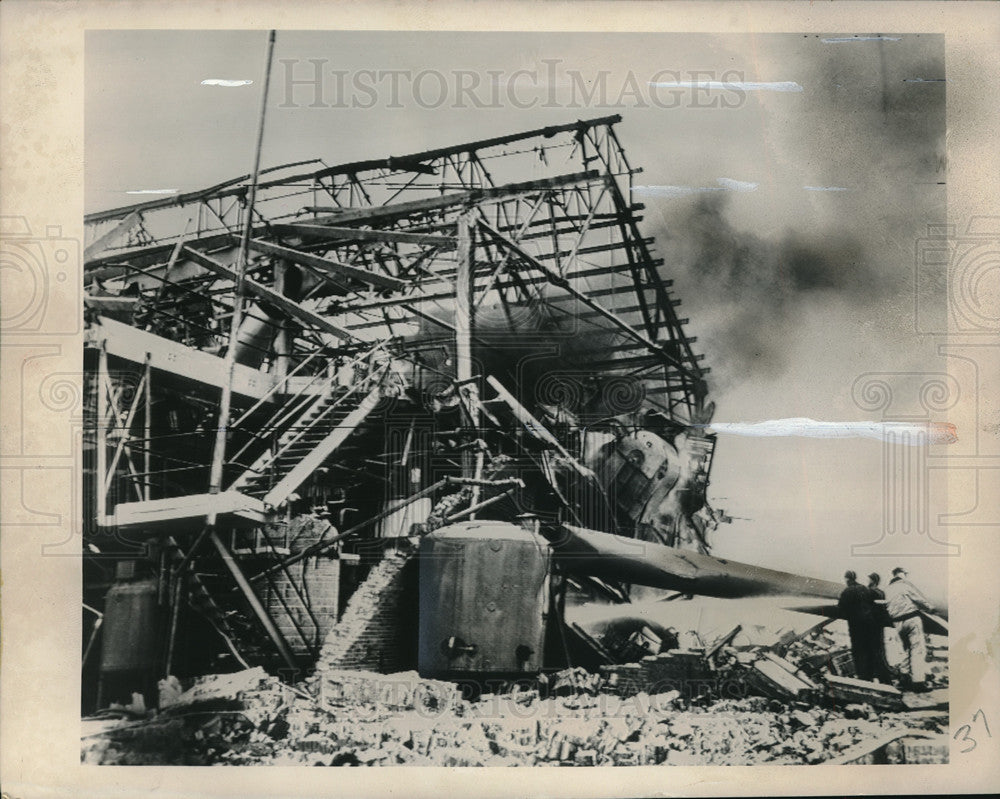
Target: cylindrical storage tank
{"x":484,"y":599}
{"x":130,"y":642}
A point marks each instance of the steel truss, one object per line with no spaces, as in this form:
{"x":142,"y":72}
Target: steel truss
{"x":364,"y":281}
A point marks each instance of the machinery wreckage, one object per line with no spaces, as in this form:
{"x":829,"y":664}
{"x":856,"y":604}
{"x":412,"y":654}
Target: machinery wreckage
{"x":395,"y":415}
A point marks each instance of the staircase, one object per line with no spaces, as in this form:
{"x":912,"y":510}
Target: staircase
{"x":303,"y":606}
{"x":256,"y":481}
{"x":322,"y":426}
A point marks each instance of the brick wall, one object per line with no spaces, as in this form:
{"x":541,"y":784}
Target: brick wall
{"x":304,"y":616}
{"x":378,"y":629}
{"x":318,"y":582}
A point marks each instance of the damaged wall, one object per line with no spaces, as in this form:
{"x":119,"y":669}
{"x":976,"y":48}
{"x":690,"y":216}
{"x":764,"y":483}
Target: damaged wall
{"x":378,"y":628}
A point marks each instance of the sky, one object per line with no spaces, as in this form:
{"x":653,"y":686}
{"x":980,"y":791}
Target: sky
{"x":786,"y":201}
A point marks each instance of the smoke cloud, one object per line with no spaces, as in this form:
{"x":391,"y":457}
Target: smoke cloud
{"x":871,"y":122}
{"x":544,"y":355}
{"x":760,"y":290}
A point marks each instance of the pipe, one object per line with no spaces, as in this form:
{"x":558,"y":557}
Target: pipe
{"x":219,"y":454}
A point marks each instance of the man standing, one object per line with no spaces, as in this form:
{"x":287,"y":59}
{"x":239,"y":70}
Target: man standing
{"x":904,"y":603}
{"x":856,"y":606}
{"x":881,"y":617}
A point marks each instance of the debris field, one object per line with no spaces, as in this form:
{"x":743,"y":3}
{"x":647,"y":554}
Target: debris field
{"x":575,"y":717}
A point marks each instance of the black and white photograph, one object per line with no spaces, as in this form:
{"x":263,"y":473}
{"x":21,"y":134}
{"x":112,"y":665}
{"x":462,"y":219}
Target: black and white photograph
{"x":524,"y":398}
{"x":417,"y":395}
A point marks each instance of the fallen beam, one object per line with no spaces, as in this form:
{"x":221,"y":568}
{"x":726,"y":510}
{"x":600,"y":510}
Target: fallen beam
{"x":849,"y":690}
{"x":646,"y":563}
{"x":255,"y":604}
{"x":535,"y":427}
{"x":771,"y":676}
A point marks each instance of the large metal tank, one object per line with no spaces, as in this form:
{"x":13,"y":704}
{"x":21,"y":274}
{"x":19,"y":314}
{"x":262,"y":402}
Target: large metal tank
{"x":484,"y":600}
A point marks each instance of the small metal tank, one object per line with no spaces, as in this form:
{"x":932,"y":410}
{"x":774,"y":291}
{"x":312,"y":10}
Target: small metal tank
{"x":130,"y":645}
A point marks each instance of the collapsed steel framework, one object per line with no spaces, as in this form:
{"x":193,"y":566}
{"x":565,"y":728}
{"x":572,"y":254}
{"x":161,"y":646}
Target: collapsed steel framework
{"x":470,"y":327}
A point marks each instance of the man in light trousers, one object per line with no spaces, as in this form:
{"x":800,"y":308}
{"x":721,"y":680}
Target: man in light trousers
{"x":904,"y":603}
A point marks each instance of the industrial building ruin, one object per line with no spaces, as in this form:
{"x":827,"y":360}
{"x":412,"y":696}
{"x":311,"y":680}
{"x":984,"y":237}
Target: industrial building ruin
{"x":394,"y":415}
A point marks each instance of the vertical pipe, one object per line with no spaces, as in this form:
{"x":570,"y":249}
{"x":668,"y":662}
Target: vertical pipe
{"x":478,"y":475}
{"x":463,"y":302}
{"x":282,"y":341}
{"x":102,"y":433}
{"x":175,"y":611}
{"x":218,"y":456}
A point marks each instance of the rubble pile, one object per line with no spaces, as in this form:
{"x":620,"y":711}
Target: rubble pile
{"x":727,"y":673}
{"x":221,"y":714}
{"x":572,"y":718}
{"x":796,"y":701}
{"x":401,"y":691}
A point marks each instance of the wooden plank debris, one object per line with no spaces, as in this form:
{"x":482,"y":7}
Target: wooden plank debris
{"x":848,"y":690}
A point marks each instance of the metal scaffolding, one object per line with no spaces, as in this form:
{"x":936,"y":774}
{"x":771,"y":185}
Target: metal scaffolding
{"x":487,"y":312}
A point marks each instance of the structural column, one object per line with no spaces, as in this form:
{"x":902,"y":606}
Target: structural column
{"x":472,"y":462}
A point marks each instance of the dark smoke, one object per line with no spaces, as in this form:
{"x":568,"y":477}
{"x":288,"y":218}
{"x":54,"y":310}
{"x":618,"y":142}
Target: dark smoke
{"x":764,"y":288}
{"x":872,"y":119}
{"x":543,"y":355}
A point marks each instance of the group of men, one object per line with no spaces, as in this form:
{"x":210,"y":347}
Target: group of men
{"x":869,"y":609}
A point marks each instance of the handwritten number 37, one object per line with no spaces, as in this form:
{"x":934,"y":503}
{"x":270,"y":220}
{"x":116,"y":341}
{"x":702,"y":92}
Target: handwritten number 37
{"x":965,"y":729}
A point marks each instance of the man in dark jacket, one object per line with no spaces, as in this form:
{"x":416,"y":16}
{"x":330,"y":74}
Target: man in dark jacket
{"x":857,"y":607}
{"x":881,"y":617}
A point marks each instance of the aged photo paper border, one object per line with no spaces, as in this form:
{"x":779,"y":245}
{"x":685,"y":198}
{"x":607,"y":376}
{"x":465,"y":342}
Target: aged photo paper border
{"x":41,"y":184}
